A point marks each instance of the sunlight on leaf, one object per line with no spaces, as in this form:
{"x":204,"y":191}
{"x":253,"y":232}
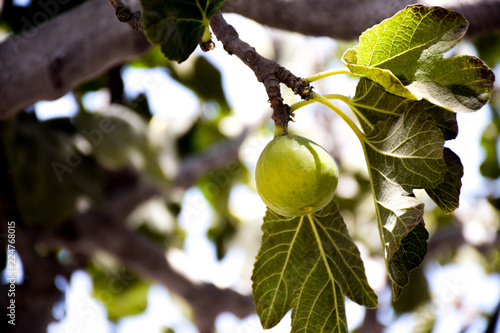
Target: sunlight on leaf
{"x":408,"y":150}
{"x":404,"y":54}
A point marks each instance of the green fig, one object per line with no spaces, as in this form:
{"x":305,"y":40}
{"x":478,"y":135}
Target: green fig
{"x":295,"y":176}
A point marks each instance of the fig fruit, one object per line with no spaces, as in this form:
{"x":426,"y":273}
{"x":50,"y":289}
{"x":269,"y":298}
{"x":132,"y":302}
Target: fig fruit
{"x":295,"y":176}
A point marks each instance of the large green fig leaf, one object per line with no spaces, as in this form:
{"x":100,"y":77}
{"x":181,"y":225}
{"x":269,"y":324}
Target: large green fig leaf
{"x":404,"y":149}
{"x":404,"y":153}
{"x":308,"y":263}
{"x":404,"y":54}
{"x":177,"y":25}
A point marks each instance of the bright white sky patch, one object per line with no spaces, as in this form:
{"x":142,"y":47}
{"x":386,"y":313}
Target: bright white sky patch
{"x":167,"y":98}
{"x":63,"y":107}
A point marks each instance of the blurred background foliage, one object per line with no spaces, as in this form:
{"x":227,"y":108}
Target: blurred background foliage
{"x":65,"y":163}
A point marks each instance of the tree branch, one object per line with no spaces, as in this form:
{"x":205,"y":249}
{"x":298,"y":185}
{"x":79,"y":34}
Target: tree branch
{"x":267,"y":71}
{"x":47,"y":61}
{"x":94,"y":40}
{"x":126,"y":14}
{"x":348,"y":19}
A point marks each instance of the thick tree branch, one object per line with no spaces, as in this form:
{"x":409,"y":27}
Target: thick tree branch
{"x":46,"y":62}
{"x":346,"y":20}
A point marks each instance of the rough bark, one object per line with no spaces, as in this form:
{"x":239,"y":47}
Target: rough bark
{"x":46,"y":62}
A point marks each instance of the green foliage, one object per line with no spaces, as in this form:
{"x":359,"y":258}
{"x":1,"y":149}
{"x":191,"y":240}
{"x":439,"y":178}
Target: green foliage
{"x":216,"y":187}
{"x":491,"y":165}
{"x":406,"y":103}
{"x":404,"y":55}
{"x":118,"y":138}
{"x":308,"y":263}
{"x":177,"y":25}
{"x":48,"y":172}
{"x":122,"y":292}
{"x":488,"y":48}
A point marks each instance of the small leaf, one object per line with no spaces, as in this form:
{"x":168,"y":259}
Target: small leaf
{"x":308,"y":263}
{"x":404,"y":54}
{"x":446,"y":194}
{"x":177,"y":25}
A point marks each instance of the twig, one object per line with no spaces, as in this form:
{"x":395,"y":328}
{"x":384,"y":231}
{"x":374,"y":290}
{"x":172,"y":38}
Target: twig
{"x":267,"y":71}
{"x":126,"y":14}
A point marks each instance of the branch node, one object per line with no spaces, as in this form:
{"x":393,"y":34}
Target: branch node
{"x":250,"y":56}
{"x":125,"y":14}
{"x":267,"y":71}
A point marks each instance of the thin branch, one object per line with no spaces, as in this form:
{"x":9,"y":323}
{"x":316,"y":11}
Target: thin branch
{"x":126,"y":14}
{"x":267,"y":71}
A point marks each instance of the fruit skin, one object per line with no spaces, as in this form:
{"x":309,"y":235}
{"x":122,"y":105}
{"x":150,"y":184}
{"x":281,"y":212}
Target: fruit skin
{"x":295,"y":176}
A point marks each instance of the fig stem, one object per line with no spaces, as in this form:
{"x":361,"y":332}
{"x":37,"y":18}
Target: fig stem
{"x":323,"y":100}
{"x":280,"y":129}
{"x":328,"y":73}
